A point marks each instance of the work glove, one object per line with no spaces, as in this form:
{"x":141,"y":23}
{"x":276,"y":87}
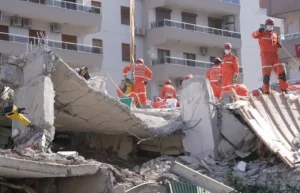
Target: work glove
{"x":145,"y":82}
{"x":261,"y":29}
{"x":279,"y":45}
{"x":234,"y":79}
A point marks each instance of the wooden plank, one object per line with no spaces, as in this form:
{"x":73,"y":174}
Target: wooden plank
{"x":199,"y":179}
{"x":295,"y":110}
{"x":285,"y":113}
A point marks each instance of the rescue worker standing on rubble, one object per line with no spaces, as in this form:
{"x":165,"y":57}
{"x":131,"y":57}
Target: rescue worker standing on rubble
{"x":269,"y":43}
{"x":213,"y":75}
{"x":168,"y":91}
{"x":142,"y":75}
{"x":229,"y":73}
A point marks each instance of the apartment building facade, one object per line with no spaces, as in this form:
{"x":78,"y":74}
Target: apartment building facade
{"x":289,"y":11}
{"x":175,"y":37}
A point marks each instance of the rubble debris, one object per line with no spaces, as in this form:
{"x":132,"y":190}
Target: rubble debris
{"x":242,"y":166}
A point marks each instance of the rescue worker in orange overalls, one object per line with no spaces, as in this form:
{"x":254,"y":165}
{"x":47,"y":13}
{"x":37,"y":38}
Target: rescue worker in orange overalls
{"x":269,"y":43}
{"x":159,"y":103}
{"x":168,"y":91}
{"x":229,"y":72}
{"x":241,"y":90}
{"x":213,"y":75}
{"x":142,"y":75}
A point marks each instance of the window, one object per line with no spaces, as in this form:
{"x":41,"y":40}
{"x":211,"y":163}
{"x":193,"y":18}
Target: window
{"x":126,"y":52}
{"x":97,"y":46}
{"x":263,"y":4}
{"x":34,"y":34}
{"x":162,"y":13}
{"x":69,"y":42}
{"x":163,"y":56}
{"x":189,"y":57}
{"x":95,"y":8}
{"x":125,"y":15}
{"x":4,"y":32}
{"x":189,"y":19}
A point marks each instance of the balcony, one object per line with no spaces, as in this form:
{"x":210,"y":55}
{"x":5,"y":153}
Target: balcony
{"x":289,"y":43}
{"x":172,"y":67}
{"x":221,"y":7}
{"x":54,"y":11}
{"x":74,"y":54}
{"x":280,"y":8}
{"x":168,"y":31}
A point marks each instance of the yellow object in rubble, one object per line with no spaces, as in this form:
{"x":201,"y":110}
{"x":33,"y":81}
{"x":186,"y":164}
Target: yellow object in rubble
{"x":15,"y":114}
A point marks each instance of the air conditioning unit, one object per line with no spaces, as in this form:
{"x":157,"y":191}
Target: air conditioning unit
{"x":0,"y":15}
{"x":16,"y":21}
{"x":204,"y":50}
{"x":229,"y":27}
{"x":140,"y":31}
{"x":178,"y":82}
{"x":27,"y":23}
{"x":55,"y":28}
{"x":228,"y":19}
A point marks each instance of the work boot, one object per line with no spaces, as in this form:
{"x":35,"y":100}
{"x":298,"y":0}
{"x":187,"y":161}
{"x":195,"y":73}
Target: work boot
{"x":285,"y":91}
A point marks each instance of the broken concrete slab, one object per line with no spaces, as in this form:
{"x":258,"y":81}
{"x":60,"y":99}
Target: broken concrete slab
{"x":189,"y":160}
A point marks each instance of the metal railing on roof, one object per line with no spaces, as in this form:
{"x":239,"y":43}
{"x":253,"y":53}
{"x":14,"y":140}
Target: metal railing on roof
{"x":51,"y":43}
{"x":67,"y":5}
{"x":292,"y":36}
{"x":237,"y":2}
{"x":195,"y":28}
{"x":184,"y":62}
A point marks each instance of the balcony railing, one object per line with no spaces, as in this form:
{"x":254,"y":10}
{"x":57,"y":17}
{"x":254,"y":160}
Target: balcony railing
{"x":196,"y":28}
{"x":184,"y":62}
{"x":51,"y":43}
{"x":292,"y":36}
{"x":237,"y":2}
{"x":67,"y":5}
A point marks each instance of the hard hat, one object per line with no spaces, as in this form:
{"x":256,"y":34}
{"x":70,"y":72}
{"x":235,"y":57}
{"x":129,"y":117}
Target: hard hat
{"x":157,"y":99}
{"x":217,"y":60}
{"x":188,"y":77}
{"x":140,"y":60}
{"x":227,"y":46}
{"x":269,"y":22}
{"x":168,"y":81}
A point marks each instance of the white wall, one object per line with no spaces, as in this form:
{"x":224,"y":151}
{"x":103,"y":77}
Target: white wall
{"x":292,"y":23}
{"x":251,"y":18}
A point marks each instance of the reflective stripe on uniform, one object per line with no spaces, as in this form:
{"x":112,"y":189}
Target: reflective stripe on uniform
{"x":265,"y":38}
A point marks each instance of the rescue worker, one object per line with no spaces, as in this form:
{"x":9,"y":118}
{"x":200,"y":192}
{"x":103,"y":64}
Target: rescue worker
{"x":213,"y":75}
{"x":269,"y":43}
{"x":142,"y":75}
{"x":83,"y":72}
{"x":188,"y":77}
{"x":159,"y":103}
{"x":15,"y":113}
{"x":168,"y":91}
{"x":241,"y":90}
{"x":229,"y":73}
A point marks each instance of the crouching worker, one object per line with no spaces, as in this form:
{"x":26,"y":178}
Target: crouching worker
{"x":159,"y":103}
{"x":242,"y":91}
{"x":83,"y":72}
{"x":14,"y":113}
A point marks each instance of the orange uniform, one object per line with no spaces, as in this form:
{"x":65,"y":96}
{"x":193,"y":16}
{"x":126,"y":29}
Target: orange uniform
{"x":229,"y":69}
{"x":168,"y":91}
{"x":241,"y":90}
{"x":135,"y":98}
{"x":160,"y":104}
{"x":142,"y":75}
{"x":269,"y":43}
{"x":213,"y":75}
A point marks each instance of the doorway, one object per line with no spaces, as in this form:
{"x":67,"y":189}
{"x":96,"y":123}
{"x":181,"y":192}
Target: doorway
{"x":69,"y":42}
{"x":4,"y":33}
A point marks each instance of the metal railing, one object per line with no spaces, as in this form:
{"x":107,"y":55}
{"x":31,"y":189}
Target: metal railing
{"x":237,"y":2}
{"x":184,"y":62}
{"x":67,"y":5}
{"x":196,"y":28}
{"x":292,"y":36}
{"x":51,"y":43}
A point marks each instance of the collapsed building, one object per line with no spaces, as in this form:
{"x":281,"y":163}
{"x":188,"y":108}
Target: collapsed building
{"x":208,"y":137}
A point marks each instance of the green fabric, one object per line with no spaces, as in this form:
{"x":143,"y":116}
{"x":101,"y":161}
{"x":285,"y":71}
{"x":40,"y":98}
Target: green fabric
{"x":185,"y":188}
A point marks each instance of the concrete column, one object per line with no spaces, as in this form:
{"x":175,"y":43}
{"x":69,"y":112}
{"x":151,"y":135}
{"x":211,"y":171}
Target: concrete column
{"x":36,"y":94}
